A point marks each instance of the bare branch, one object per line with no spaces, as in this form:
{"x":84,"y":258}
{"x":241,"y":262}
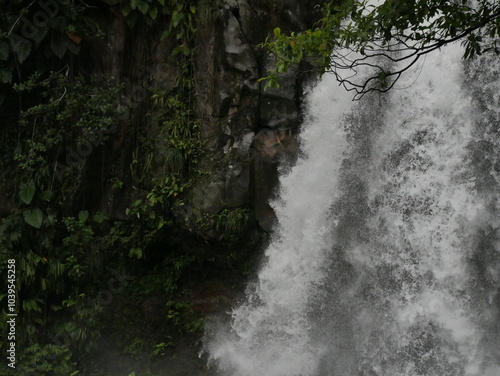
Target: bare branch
{"x":397,"y":52}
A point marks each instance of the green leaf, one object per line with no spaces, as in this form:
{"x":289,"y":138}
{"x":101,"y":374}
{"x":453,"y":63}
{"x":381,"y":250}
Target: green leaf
{"x":162,"y":2}
{"x":165,"y":34}
{"x":176,"y":18}
{"x":126,"y":10}
{"x":73,"y":47}
{"x":69,"y":302}
{"x":83,"y":215}
{"x":277,"y":32}
{"x":5,"y":76}
{"x":135,"y":253}
{"x":153,"y":12}
{"x":4,"y":51}
{"x":177,"y":50}
{"x":134,"y":3}
{"x":271,"y":84}
{"x":40,"y":35}
{"x":143,"y":7}
{"x":33,"y":217}
{"x":99,"y":217}
{"x":51,"y":216}
{"x":21,"y":47}
{"x":58,"y":47}
{"x":55,"y":307}
{"x":46,"y":195}
{"x":27,"y":192}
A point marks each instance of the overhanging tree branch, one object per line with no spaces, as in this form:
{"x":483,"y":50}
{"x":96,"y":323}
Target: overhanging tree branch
{"x":388,"y":39}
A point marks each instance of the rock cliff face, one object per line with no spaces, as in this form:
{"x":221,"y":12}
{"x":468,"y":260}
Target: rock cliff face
{"x":254,"y":127}
{"x":247,"y":133}
{"x":246,"y":129}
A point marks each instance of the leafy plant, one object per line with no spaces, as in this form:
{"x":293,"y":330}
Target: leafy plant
{"x":150,"y":9}
{"x":183,"y":316}
{"x":231,"y":222}
{"x":55,"y":254}
{"x":46,"y":360}
{"x":179,"y":13}
{"x":161,"y":348}
{"x":181,"y":130}
{"x":56,"y":117}
{"x":137,"y":347}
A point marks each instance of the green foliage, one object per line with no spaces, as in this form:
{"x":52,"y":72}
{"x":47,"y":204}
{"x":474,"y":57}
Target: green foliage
{"x":176,"y":154}
{"x":181,"y":26}
{"x":164,"y":279}
{"x":52,"y":112}
{"x":136,"y":348}
{"x":33,"y":217}
{"x":230,"y":223}
{"x":180,"y":147}
{"x":83,"y":331}
{"x":149,"y":9}
{"x":356,"y":34}
{"x":183,"y":316}
{"x":79,"y":111}
{"x":27,"y":30}
{"x":181,"y":130}
{"x":161,"y":348}
{"x":180,"y":16}
{"x":27,"y":192}
{"x":59,"y":255}
{"x":46,"y":360}
{"x":160,"y":170}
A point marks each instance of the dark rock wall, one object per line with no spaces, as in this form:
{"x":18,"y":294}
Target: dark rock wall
{"x":253,"y":128}
{"x":247,"y":130}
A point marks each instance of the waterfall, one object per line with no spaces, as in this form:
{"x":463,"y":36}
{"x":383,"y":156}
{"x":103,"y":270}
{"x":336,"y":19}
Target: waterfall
{"x":386,"y":257}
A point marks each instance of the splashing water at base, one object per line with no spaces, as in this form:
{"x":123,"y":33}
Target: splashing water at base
{"x":385,"y":260}
{"x":269,"y":333}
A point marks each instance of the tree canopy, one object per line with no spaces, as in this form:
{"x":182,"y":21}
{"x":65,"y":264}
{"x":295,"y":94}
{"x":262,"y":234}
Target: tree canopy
{"x":389,"y":37}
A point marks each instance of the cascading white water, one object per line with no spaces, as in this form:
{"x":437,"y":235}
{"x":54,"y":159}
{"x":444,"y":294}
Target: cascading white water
{"x":386,"y":257}
{"x":270,"y":332}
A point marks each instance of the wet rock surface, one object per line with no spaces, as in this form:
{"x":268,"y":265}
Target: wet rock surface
{"x":248,"y":133}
